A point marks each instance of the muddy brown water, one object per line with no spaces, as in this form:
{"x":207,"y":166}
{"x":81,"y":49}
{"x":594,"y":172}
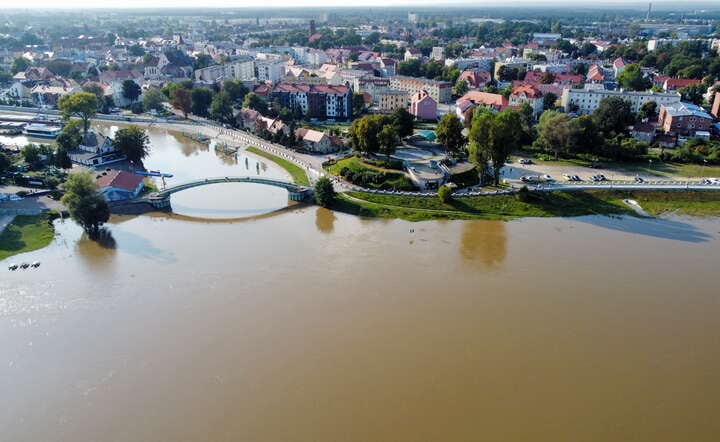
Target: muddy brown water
{"x":309,"y":325}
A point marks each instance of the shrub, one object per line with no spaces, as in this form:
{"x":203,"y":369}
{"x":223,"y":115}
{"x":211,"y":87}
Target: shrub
{"x":523,"y":195}
{"x":445,"y":194}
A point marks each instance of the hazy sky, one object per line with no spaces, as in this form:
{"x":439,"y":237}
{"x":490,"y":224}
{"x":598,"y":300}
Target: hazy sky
{"x":19,"y":4}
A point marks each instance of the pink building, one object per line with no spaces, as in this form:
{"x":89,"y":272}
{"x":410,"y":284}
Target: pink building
{"x":423,"y":106}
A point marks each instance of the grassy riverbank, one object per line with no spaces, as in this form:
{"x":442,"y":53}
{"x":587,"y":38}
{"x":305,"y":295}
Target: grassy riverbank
{"x":550,"y":204}
{"x":296,"y":172}
{"x":25,"y":234}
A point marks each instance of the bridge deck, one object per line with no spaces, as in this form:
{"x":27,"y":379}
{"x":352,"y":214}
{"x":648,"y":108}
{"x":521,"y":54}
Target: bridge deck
{"x":292,"y":187}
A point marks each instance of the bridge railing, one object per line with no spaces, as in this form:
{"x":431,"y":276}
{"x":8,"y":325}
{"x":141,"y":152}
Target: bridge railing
{"x":219,"y":180}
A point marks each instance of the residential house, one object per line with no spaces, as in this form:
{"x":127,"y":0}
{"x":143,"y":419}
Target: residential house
{"x":440,"y":91}
{"x":118,"y":185}
{"x":527,"y":94}
{"x":438,"y":53}
{"x":618,"y":66}
{"x":643,"y":132}
{"x":315,"y":100}
{"x":247,"y":118}
{"x":95,"y":150}
{"x":273,"y":125}
{"x":114,"y":81}
{"x":314,"y":141}
{"x":412,"y":54}
{"x":684,"y":119}
{"x":475,"y":79}
{"x":389,"y":100}
{"x":587,"y":100}
{"x":673,"y":84}
{"x":423,"y":107}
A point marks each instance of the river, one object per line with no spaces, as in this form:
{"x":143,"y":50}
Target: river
{"x":309,"y":325}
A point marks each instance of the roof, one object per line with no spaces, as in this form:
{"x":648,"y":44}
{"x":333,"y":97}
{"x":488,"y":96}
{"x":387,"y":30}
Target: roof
{"x":474,"y":78}
{"x":683,"y":109}
{"x":678,"y":83}
{"x":485,"y":98}
{"x":619,"y":62}
{"x":529,"y":91}
{"x":310,"y":88}
{"x":120,"y":179}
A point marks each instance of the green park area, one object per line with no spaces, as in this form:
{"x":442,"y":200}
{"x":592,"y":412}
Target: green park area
{"x":373,"y":174}
{"x":25,"y":234}
{"x":546,"y":204}
{"x":296,"y":172}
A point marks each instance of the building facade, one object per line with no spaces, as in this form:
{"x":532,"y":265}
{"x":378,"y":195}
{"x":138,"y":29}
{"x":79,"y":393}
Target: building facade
{"x":440,"y":91}
{"x":587,"y":100}
{"x":684,"y":119}
{"x":315,"y":100}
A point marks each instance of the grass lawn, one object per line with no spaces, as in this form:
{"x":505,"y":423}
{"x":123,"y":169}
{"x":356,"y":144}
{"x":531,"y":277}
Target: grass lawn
{"x":25,"y":234}
{"x":296,"y":172}
{"x":495,"y":207}
{"x":395,"y":179}
{"x":688,"y":202}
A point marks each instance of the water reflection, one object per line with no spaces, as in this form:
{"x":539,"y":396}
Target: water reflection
{"x":95,"y":254}
{"x":663,"y":228}
{"x":325,"y":220}
{"x":483,"y":244}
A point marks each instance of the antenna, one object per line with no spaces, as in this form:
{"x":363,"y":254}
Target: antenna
{"x":647,"y":17}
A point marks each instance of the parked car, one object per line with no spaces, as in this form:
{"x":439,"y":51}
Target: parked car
{"x":525,"y":161}
{"x":639,"y":180}
{"x":547,"y":177}
{"x":598,"y":177}
{"x":711,"y":181}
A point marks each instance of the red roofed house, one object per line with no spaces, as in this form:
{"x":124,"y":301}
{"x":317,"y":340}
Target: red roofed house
{"x":314,"y":141}
{"x":475,"y":79}
{"x":595,"y":74}
{"x":472,"y":99}
{"x":618,"y":65}
{"x":715,"y":112}
{"x":423,"y":106}
{"x":119,"y":185}
{"x":673,"y":84}
{"x":527,"y":94}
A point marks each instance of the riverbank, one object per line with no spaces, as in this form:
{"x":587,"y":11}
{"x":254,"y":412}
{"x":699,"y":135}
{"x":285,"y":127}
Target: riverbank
{"x":545,"y":204}
{"x":26,"y":233}
{"x":296,"y":172}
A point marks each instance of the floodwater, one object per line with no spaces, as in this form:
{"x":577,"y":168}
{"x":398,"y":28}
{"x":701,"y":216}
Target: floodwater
{"x":309,"y":325}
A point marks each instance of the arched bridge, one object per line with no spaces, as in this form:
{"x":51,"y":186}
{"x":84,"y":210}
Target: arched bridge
{"x":161,"y":199}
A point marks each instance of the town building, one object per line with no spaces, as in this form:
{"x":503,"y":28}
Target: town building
{"x":389,"y":100}
{"x":269,"y":70}
{"x":315,"y":100}
{"x":118,"y":185}
{"x":242,"y":69}
{"x":423,"y":107}
{"x":438,"y":53}
{"x":440,"y":91}
{"x":527,"y":94}
{"x":683,"y":119}
{"x":587,"y":100}
{"x":314,"y":141}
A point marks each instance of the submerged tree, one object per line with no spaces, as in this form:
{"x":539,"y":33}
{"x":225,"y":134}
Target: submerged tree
{"x":84,"y":203}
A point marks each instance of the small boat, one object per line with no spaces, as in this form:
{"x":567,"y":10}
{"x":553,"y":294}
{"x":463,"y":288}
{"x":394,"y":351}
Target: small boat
{"x":35,"y":264}
{"x":13,"y":266}
{"x":24,"y":265}
{"x":155,"y":173}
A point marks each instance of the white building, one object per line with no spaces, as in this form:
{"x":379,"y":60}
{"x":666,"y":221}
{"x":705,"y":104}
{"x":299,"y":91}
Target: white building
{"x":243,"y":70}
{"x":269,"y":70}
{"x":587,"y":100}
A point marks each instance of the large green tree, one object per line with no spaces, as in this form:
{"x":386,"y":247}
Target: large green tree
{"x":221,"y":108}
{"x":153,"y":99}
{"x":133,"y":142}
{"x":449,"y":132}
{"x":387,"y":138}
{"x":182,"y":100}
{"x":324,"y":191}
{"x":613,"y":114}
{"x":84,"y":203}
{"x":83,"y":105}
{"x":554,"y":132}
{"x":20,"y":64}
{"x":493,"y":137}
{"x":253,"y":101}
{"x":5,"y":162}
{"x":131,"y":90}
{"x":235,"y":89}
{"x":632,"y":78}
{"x":403,"y":121}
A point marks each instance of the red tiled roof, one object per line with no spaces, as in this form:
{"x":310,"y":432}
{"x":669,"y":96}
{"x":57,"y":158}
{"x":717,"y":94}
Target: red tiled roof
{"x":485,"y":98}
{"x":528,"y":90}
{"x":678,"y":83}
{"x":120,"y":179}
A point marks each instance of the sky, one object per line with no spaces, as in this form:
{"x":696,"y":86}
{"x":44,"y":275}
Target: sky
{"x":72,"y":4}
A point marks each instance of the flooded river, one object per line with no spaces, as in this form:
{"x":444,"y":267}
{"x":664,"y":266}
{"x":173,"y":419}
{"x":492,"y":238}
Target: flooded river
{"x":309,"y":325}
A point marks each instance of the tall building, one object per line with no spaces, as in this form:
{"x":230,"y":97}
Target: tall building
{"x":315,"y":100}
{"x":313,"y":30}
{"x":412,"y":17}
{"x":587,"y":100}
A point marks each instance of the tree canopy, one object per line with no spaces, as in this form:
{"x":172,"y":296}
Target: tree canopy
{"x":449,"y":132}
{"x":80,"y":104}
{"x":84,"y":203}
{"x":133,"y":142}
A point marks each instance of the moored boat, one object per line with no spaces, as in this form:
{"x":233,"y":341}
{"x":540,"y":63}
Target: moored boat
{"x":13,"y":266}
{"x":42,"y":130}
